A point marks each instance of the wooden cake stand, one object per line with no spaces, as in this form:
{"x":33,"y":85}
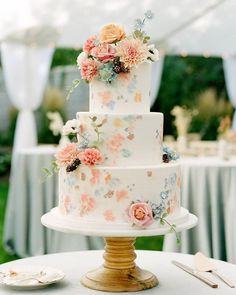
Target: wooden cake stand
{"x":119,"y":273}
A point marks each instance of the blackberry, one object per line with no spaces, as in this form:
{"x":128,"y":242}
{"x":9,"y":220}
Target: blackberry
{"x":117,"y":69}
{"x":116,"y":61}
{"x":165,"y":158}
{"x":77,"y":162}
{"x":123,"y":68}
{"x":73,"y":165}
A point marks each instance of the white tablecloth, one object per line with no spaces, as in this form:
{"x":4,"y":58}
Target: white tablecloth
{"x":172,"y":280}
{"x":30,"y":196}
{"x":209,"y":192}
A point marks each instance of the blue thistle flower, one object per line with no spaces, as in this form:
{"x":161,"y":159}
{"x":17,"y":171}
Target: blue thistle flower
{"x":149,"y":14}
{"x":138,"y":25}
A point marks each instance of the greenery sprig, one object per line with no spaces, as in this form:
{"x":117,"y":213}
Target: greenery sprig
{"x":72,"y":87}
{"x":172,"y":226}
{"x":49,"y":172}
{"x":139,"y":25}
{"x":96,"y":127}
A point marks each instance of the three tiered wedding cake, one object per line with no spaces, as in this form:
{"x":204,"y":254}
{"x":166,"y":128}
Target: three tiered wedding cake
{"x":112,"y":174}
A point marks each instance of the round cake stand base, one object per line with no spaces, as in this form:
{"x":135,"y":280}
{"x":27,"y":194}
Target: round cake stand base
{"x":119,"y":272}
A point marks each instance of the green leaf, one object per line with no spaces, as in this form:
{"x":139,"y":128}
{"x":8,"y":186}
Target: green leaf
{"x":164,"y":215}
{"x":94,"y":118}
{"x":138,"y":34}
{"x":71,"y":88}
{"x":146,"y":39}
{"x":47,"y":171}
{"x":162,"y":222}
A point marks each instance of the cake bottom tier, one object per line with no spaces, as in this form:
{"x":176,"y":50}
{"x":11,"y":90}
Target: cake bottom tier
{"x":121,"y":197}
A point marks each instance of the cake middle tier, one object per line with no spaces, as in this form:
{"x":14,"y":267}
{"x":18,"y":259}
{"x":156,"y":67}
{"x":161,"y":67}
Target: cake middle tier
{"x":123,"y":139}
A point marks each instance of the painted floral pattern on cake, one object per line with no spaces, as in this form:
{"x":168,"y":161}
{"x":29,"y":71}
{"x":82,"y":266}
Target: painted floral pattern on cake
{"x":111,"y":196}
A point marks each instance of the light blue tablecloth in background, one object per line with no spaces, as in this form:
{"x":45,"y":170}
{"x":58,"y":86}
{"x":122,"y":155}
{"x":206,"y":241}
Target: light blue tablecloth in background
{"x":31,"y":196}
{"x":209,"y":192}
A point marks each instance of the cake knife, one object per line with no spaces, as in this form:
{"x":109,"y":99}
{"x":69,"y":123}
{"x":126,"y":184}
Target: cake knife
{"x":195,"y":273}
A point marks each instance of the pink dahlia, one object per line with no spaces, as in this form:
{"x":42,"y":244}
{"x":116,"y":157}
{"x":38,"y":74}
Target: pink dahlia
{"x":104,"y":52}
{"x":132,"y":52}
{"x":89,"y":69}
{"x":89,"y":44}
{"x":90,"y":157}
{"x":140,"y":214}
{"x":67,"y":155}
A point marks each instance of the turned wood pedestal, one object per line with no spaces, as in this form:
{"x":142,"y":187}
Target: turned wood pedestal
{"x":119,"y":272}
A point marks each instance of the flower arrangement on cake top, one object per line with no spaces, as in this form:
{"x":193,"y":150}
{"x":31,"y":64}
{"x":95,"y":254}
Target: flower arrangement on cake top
{"x":112,"y":53}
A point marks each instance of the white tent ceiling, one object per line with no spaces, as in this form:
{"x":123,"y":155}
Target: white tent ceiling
{"x":196,"y":27}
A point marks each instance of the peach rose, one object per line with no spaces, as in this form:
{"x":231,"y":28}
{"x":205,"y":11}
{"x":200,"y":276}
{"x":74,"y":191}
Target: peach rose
{"x":141,"y":214}
{"x":111,"y":33}
{"x":104,"y":52}
{"x":90,"y":157}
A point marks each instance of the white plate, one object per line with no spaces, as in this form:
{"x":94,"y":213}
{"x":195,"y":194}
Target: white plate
{"x":30,"y":277}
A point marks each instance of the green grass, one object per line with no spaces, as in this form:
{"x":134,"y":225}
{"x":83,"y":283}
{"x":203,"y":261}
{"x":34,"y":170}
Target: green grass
{"x":4,"y":257}
{"x":149,"y":243}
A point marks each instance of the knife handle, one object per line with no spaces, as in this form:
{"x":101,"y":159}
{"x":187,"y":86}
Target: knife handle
{"x":205,"y":280}
{"x":223,"y":278}
{"x":195,"y":273}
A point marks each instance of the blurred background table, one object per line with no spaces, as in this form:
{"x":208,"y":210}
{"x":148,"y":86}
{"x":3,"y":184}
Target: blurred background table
{"x":209,"y":192}
{"x":30,"y":196}
{"x":172,"y":279}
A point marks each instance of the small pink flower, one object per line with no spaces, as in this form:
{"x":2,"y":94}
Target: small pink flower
{"x":89,"y":44}
{"x":132,"y":52}
{"x":87,"y":204}
{"x":115,"y":144}
{"x":67,"y":155}
{"x":89,"y":69}
{"x":105,"y":96}
{"x":90,"y":157}
{"x":140,"y":214}
{"x":95,"y":176}
{"x":109,"y":215}
{"x":121,"y":195}
{"x":104,"y":52}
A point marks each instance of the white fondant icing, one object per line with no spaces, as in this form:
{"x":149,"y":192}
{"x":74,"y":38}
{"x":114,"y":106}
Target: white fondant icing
{"x":129,"y":137}
{"x":103,"y":194}
{"x":129,"y":93}
{"x":124,"y":139}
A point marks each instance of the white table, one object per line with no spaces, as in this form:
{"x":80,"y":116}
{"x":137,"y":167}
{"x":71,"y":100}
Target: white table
{"x":172,"y":279}
{"x":31,"y":196}
{"x":209,"y":192}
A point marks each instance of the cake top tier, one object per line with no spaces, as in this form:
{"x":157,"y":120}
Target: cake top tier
{"x":117,"y":66}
